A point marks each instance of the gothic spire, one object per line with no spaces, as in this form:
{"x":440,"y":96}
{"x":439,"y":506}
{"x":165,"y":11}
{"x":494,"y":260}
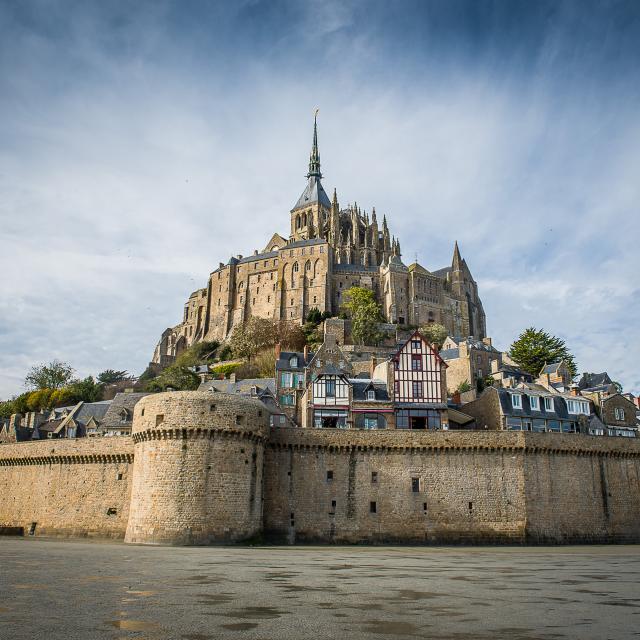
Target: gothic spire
{"x":314,"y":157}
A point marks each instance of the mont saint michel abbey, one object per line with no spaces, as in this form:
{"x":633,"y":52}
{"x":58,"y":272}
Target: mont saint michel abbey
{"x":328,"y":250}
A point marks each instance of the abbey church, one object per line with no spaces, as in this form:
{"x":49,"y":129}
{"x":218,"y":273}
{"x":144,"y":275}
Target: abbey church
{"x":328,"y":250}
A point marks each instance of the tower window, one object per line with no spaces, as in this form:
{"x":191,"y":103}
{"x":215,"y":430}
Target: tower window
{"x":373,"y":507}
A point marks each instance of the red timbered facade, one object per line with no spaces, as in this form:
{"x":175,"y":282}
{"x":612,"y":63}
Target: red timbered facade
{"x":419,"y":387}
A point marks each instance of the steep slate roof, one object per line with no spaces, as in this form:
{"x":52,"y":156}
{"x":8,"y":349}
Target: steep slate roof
{"x":282,"y":363}
{"x":559,"y":404}
{"x":259,"y":256}
{"x":313,"y":192}
{"x":90,"y":410}
{"x":551,"y":368}
{"x":241,"y":387}
{"x":361,"y":386}
{"x":592,"y":380}
{"x":121,"y":401}
{"x":442,"y":273}
{"x":450,"y":354}
{"x":472,"y":343}
{"x":304,"y":243}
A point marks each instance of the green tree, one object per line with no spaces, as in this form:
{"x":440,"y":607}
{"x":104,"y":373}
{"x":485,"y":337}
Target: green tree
{"x":435,"y":333}
{"x":87,"y":390}
{"x":535,"y":347}
{"x":464,"y":386}
{"x":365,"y":315}
{"x":109,"y":376}
{"x":40,"y":399}
{"x":176,"y":377}
{"x":53,"y":375}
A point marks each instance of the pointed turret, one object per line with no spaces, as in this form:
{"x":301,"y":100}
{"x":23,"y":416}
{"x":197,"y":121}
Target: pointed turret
{"x":456,"y":264}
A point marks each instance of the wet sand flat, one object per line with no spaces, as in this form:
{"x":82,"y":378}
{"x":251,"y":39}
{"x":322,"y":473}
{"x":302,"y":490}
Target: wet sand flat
{"x":63,"y":589}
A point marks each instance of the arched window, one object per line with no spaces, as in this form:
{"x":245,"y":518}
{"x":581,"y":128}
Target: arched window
{"x":307,"y":267}
{"x":298,"y":221}
{"x":295,"y":267}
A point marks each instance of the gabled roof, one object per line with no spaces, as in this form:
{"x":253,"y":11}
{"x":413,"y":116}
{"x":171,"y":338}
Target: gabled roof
{"x":240,"y":387}
{"x":362,"y":386}
{"x":113,"y":417}
{"x":592,"y":380}
{"x":283,"y":362}
{"x":313,"y":192}
{"x":417,"y":334}
{"x":551,"y":368}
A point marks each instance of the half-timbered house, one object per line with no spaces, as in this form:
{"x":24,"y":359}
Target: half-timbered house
{"x":419,"y":385}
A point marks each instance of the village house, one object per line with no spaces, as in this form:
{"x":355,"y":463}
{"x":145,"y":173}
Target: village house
{"x":528,"y":407}
{"x":468,"y":360}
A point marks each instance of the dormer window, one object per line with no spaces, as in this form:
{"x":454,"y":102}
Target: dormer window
{"x":548,"y":404}
{"x":516,"y":401}
{"x":293,"y":362}
{"x":535,"y":403}
{"x":371,"y":394}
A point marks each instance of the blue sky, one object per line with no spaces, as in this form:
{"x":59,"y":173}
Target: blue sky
{"x":143,"y":143}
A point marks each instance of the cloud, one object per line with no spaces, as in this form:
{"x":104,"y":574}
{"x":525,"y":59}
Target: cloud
{"x":141,"y":146}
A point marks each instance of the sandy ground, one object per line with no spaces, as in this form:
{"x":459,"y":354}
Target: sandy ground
{"x":61,"y":589}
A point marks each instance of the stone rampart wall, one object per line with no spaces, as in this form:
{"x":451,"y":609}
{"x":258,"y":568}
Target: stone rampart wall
{"x":472,"y":487}
{"x":76,"y":488}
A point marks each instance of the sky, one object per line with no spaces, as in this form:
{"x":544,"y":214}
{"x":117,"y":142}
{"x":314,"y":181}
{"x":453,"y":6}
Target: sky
{"x":142,"y":143}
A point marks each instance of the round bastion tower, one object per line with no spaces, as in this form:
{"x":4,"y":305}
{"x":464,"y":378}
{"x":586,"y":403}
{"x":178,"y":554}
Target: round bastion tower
{"x":197,"y":471}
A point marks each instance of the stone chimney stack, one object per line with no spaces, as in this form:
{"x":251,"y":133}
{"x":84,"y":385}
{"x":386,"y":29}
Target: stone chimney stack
{"x":574,"y":390}
{"x":277,"y":350}
{"x":306,"y":354}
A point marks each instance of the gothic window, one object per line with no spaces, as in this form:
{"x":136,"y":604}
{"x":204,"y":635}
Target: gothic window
{"x":295,"y":267}
{"x":307,"y":267}
{"x":298,"y":221}
{"x":304,"y":219}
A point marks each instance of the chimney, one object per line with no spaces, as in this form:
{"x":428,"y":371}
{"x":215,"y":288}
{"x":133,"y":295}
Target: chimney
{"x":495,"y":366}
{"x":306,"y":354}
{"x":455,"y":398}
{"x":277,"y":350}
{"x":487,"y":341}
{"x":574,"y":390}
{"x":232,"y":377}
{"x":373,"y":364}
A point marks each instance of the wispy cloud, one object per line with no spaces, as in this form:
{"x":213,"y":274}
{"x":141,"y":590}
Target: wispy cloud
{"x":142,"y":144}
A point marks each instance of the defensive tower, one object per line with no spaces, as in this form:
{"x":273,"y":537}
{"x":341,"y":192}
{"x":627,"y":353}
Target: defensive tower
{"x":197,"y":476}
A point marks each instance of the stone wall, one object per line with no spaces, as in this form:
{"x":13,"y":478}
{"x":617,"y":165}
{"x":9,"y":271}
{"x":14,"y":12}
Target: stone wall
{"x":472,"y":487}
{"x":198,"y":468}
{"x":78,"y":488}
{"x":205,"y":472}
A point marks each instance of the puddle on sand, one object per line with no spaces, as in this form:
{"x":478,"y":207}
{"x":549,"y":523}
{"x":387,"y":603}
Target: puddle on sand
{"x":240,"y":626}
{"x":215,"y":598}
{"x":390,"y":628}
{"x":134,"y":625}
{"x":255,"y":613}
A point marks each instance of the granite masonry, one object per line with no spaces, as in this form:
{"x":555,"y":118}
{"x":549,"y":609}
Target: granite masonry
{"x":203,"y":468}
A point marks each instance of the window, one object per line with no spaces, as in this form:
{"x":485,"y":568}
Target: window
{"x":212,"y":407}
{"x":516,"y":401}
{"x":371,"y":394}
{"x":296,"y":268}
{"x":373,"y":507}
{"x":330,"y":388}
{"x":548,"y":404}
{"x":416,"y":388}
{"x":619,"y":413}
{"x":286,"y":400}
{"x":374,"y":477}
{"x":159,"y":419}
{"x":415,"y":345}
{"x":239,"y":419}
{"x":535,"y":403}
{"x":416,"y":362}
{"x":479,"y":373}
{"x":415,"y":485}
{"x":370,"y":421}
{"x":293,"y":362}
{"x":285,"y":379}
{"x":329,"y":476}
